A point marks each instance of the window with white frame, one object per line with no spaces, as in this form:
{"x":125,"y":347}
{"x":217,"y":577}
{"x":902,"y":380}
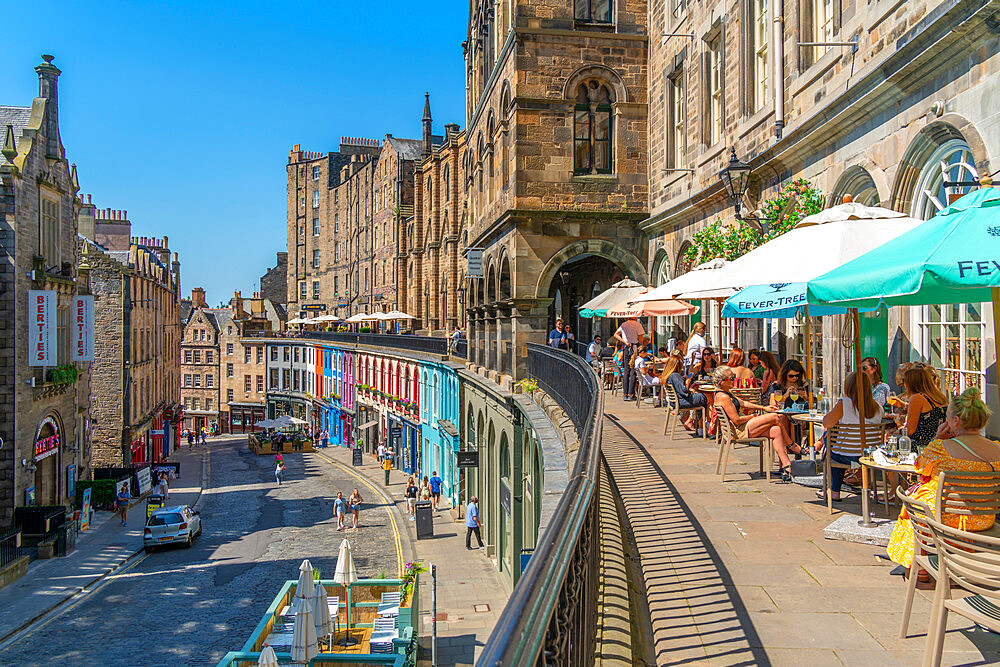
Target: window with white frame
{"x":715,"y":90}
{"x":315,"y":226}
{"x":949,"y":337}
{"x":49,"y":228}
{"x":678,"y":118}
{"x":315,"y":289}
{"x":758,"y":19}
{"x":316,"y":258}
{"x":302,"y":289}
{"x":315,"y":198}
{"x":316,"y":173}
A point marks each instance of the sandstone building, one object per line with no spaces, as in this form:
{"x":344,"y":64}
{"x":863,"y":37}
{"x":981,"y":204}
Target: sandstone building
{"x":274,"y":283}
{"x":200,"y":361}
{"x":241,"y":360}
{"x":136,"y":373}
{"x":44,"y":381}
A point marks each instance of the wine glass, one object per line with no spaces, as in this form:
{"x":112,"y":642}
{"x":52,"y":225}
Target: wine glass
{"x":794,"y":396}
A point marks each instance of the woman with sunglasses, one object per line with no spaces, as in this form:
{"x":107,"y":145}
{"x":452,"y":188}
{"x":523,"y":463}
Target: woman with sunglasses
{"x":789,"y":389}
{"x":702,"y":371}
{"x":752,"y":426}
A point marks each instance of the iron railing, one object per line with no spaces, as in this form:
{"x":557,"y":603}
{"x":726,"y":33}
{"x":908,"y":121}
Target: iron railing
{"x":426,"y":344}
{"x":551,"y":616}
{"x":10,"y":547}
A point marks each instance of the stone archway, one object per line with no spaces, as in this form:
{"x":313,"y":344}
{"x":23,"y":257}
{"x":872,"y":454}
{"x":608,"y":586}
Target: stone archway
{"x":614,"y":253}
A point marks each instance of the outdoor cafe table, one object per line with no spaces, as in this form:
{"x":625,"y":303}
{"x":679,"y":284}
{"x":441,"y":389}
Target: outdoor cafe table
{"x":868,"y":462}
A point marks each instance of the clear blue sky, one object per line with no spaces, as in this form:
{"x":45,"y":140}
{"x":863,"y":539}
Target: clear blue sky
{"x":184,"y":116}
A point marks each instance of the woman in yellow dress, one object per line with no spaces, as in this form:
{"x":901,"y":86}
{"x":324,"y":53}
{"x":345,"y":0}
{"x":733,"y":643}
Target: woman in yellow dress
{"x":959,"y":445}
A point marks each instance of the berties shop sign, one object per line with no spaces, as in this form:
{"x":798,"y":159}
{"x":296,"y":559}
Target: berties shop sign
{"x":46,"y":446}
{"x":42,"y":328}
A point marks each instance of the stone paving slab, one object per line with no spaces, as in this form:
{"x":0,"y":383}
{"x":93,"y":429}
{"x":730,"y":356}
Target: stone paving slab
{"x":732,"y":582}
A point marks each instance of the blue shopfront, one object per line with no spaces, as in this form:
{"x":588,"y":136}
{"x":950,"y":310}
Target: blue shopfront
{"x":440,"y":417}
{"x":408,"y":447}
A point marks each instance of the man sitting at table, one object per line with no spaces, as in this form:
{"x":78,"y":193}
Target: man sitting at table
{"x":845,"y":412}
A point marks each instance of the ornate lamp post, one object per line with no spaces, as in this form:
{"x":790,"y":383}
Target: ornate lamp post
{"x":736,"y":178}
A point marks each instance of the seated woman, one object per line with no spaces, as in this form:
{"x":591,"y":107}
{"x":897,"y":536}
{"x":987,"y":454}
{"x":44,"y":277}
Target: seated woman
{"x":752,"y":426}
{"x":686,"y":399}
{"x":702,"y":371}
{"x":744,"y":375}
{"x":958,"y":445}
{"x":754,"y":364}
{"x":880,"y":390}
{"x":770,"y":374}
{"x":926,"y":408}
{"x":790,"y":388}
{"x":846,"y":412}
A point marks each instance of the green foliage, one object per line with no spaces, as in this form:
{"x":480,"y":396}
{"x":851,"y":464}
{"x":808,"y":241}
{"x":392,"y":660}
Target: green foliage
{"x":102,"y":494}
{"x":793,"y":202}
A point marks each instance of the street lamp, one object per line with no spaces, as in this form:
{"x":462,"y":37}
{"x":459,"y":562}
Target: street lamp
{"x":461,"y":300}
{"x":735,"y":177}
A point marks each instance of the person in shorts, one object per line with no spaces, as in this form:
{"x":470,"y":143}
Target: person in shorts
{"x":411,"y":496}
{"x":340,"y":509}
{"x":436,"y":483}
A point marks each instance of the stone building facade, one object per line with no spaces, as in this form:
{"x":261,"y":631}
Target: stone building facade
{"x":555,"y":174}
{"x":200,"y":362}
{"x":43,"y":409}
{"x":242,"y":363}
{"x":136,"y":373}
{"x":274,"y":283}
{"x":435,"y":237}
{"x":891,"y":122}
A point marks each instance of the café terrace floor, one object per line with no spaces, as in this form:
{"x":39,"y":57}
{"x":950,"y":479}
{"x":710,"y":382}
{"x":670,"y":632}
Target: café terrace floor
{"x":738,"y":572}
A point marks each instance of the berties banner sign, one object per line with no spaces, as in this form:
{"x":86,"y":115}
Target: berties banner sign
{"x":83,"y":329}
{"x":47,"y":446}
{"x":42,"y":328}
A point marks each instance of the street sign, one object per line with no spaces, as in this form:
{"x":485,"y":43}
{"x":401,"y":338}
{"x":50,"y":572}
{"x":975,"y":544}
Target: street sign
{"x":475,"y":262}
{"x":343,"y":303}
{"x":357,"y":457}
{"x":314,"y":306}
{"x":467,"y":459}
{"x":85,"y":511}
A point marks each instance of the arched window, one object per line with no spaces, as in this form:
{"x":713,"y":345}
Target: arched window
{"x":447,"y":184}
{"x":592,"y":129}
{"x":859,"y":184}
{"x":430,"y":203}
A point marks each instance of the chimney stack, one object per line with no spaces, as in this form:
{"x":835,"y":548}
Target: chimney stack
{"x":48,"y":87}
{"x":198,"y":298}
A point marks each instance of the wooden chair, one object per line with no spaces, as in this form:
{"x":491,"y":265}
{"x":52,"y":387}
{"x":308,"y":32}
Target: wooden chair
{"x":924,"y":551}
{"x":674,"y":410}
{"x":845,"y":439}
{"x":728,"y":439}
{"x":616,"y":375}
{"x":970,"y":561}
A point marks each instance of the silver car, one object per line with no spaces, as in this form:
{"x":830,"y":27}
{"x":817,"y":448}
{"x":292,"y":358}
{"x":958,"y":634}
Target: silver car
{"x":171,"y":525}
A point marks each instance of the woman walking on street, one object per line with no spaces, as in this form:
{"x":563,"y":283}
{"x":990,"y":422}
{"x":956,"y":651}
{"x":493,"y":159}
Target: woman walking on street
{"x":340,"y":509}
{"x":411,"y":496}
{"x":121,"y":503}
{"x":279,"y":471}
{"x":354,"y":503}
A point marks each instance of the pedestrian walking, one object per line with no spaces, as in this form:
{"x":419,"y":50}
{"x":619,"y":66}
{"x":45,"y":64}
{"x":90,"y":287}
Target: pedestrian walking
{"x":380,"y":453}
{"x":410,"y":494}
{"x":190,"y":440}
{"x":425,"y":489}
{"x":324,"y":438}
{"x":279,"y":471}
{"x":164,"y":484}
{"x":204,"y":436}
{"x":121,"y":503}
{"x":436,"y":483}
{"x":340,"y":509}
{"x":354,"y":503}
{"x":632,"y":335}
{"x":472,"y":523}
{"x":386,"y":466}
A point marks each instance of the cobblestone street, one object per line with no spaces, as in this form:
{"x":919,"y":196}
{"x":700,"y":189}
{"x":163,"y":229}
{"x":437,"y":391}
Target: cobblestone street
{"x":188,"y":607}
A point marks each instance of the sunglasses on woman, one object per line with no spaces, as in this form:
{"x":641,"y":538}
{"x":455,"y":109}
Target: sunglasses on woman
{"x":794,"y":375}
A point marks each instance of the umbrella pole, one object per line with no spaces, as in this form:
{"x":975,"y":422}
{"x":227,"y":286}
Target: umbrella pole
{"x":858,"y":404}
{"x":809,"y":374}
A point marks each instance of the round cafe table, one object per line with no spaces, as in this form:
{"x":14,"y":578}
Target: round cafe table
{"x":868,"y":463}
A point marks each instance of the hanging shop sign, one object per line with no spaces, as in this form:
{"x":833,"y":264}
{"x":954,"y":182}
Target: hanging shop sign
{"x":468,"y":458}
{"x":475,"y":262}
{"x":46,"y":446}
{"x":42,"y":335}
{"x":83,"y":328}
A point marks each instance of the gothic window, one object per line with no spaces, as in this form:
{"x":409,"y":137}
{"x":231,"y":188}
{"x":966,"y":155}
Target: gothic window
{"x":593,"y":11}
{"x":430,"y":203}
{"x":489,"y":157}
{"x":447,"y":184}
{"x":592,"y":129}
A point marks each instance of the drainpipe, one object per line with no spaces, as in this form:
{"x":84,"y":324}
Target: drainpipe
{"x":777,"y":67}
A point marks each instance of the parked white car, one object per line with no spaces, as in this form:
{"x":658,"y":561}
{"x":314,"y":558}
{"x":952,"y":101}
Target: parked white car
{"x":171,"y":525}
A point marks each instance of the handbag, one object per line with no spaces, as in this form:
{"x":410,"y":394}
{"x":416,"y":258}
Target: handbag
{"x":806,"y":468}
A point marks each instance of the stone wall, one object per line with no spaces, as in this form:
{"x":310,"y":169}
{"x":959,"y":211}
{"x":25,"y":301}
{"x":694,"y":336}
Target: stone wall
{"x":107,"y":376}
{"x":274,"y":283}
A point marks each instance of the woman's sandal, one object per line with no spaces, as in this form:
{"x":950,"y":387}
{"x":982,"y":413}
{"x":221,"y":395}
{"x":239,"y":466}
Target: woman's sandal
{"x":786,"y":473}
{"x":822,"y":496}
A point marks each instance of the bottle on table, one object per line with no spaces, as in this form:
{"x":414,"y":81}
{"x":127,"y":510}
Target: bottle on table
{"x":905,"y":445}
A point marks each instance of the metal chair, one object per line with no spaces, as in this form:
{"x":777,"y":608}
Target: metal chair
{"x":674,"y":410}
{"x":845,"y":439}
{"x":924,"y":551}
{"x":728,"y":439}
{"x":970,"y":561}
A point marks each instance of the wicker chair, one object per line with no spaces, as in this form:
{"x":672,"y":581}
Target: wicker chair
{"x":728,"y":439}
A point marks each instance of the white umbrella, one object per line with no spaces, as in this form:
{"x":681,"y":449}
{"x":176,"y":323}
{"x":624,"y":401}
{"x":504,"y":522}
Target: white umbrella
{"x":326,"y":318}
{"x":345,"y":576}
{"x":305,"y":645}
{"x":359,"y":317}
{"x":304,"y":588}
{"x":397,"y":315}
{"x":374,"y":317}
{"x":284,"y":421}
{"x":265,"y":423}
{"x":321,"y":612}
{"x":686,"y":283}
{"x":267,"y":658}
{"x":618,"y":292}
{"x":295,"y":320}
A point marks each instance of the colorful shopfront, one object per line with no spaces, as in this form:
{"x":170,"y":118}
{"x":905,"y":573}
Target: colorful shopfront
{"x":439,"y":418}
{"x":339,"y":416}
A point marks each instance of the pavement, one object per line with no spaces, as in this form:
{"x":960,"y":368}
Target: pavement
{"x":738,"y":571}
{"x":103,"y":548}
{"x":470,"y":596}
{"x":178,"y":606}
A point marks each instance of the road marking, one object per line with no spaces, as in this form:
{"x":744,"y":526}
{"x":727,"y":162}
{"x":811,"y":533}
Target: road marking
{"x":388,"y":508}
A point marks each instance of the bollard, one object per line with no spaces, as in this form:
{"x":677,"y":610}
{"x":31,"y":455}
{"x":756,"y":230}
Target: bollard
{"x":434,"y":615}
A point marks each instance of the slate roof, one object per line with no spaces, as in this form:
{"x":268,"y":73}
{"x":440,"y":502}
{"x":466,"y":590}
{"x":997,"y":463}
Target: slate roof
{"x":185,"y":309}
{"x":408,"y":149}
{"x":16,"y":116}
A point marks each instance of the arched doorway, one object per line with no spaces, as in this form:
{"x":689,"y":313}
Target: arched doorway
{"x":46,"y":460}
{"x":573,"y":286}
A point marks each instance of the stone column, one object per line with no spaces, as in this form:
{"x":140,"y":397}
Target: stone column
{"x":529,"y":324}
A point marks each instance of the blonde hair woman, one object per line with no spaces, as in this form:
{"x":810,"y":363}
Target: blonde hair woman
{"x":926,"y":408}
{"x":959,"y":445}
{"x":694,"y":345}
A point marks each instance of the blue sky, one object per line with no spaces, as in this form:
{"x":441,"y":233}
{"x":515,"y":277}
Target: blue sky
{"x":184,"y":115}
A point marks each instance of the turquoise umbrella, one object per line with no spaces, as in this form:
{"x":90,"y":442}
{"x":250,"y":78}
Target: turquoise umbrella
{"x":781,"y":300}
{"x":952,"y":258}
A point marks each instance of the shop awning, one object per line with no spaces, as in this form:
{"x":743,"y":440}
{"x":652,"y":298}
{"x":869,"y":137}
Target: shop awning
{"x":448,"y":427}
{"x":368,"y":425}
